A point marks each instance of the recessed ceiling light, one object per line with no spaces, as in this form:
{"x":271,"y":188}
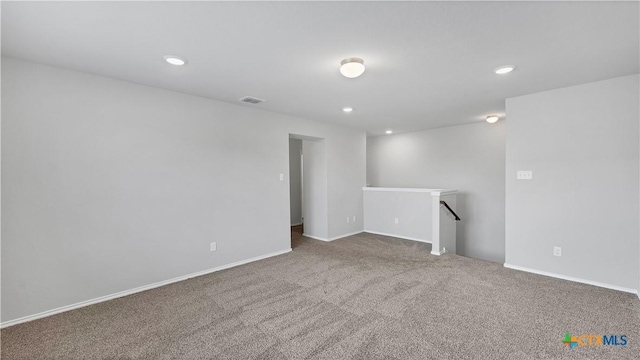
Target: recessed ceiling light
{"x":492,"y":119}
{"x":505,"y":69}
{"x":347,"y":109}
{"x":174,"y":60}
{"x":389,"y":132}
{"x":352,"y":67}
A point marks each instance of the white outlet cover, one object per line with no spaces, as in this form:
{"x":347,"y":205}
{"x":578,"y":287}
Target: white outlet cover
{"x":212,"y":246}
{"x":281,"y":177}
{"x":557,"y":251}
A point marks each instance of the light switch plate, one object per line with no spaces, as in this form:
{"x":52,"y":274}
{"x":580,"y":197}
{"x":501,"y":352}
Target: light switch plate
{"x":524,"y":175}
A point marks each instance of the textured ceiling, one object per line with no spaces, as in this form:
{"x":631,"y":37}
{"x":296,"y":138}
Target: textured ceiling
{"x":429,"y":64}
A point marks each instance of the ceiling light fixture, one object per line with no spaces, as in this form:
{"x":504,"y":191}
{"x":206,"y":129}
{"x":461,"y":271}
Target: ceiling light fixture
{"x":504,"y":69}
{"x":492,"y":119}
{"x":174,"y":60}
{"x":389,"y":132}
{"x":347,"y":109}
{"x":352,"y":67}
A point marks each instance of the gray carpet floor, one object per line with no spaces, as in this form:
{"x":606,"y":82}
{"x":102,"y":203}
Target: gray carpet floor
{"x":362,"y":297}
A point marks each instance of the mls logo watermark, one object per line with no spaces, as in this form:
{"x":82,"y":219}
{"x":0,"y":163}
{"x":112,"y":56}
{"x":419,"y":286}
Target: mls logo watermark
{"x":594,"y":340}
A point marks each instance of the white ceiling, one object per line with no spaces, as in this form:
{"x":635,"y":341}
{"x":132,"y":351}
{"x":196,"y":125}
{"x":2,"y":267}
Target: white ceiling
{"x":429,"y":64}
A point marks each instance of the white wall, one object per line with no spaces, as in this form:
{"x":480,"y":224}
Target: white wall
{"x":581,"y":143}
{"x":295,"y":181}
{"x":413,"y":209}
{"x":109,"y":185}
{"x":315,"y":189}
{"x":345,"y":182}
{"x":469,"y":158}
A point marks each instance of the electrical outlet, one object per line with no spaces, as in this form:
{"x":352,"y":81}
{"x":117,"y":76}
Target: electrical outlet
{"x":281,"y":177}
{"x":557,"y":251}
{"x":212,"y":247}
{"x":397,"y":222}
{"x":354,"y":218}
{"x":348,"y":218}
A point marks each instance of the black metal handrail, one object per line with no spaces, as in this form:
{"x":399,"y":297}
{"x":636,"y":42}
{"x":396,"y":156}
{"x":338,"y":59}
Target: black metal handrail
{"x":442,"y":202}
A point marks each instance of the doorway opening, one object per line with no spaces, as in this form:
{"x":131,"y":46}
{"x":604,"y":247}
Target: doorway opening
{"x":296,"y":194}
{"x":307,"y":187}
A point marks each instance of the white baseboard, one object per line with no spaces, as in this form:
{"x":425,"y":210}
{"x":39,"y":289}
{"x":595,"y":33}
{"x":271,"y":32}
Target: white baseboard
{"x":135,"y":290}
{"x":314,"y":237}
{"x":436,"y":253}
{"x":399,"y":237}
{"x":571,"y":278}
{"x":345,"y":235}
{"x":333,"y":238}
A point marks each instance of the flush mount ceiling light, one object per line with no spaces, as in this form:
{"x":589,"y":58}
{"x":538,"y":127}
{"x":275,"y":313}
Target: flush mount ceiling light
{"x":174,"y":60}
{"x":347,"y":109}
{"x":504,"y":69}
{"x":492,"y":119}
{"x":389,"y":132}
{"x":352,"y":67}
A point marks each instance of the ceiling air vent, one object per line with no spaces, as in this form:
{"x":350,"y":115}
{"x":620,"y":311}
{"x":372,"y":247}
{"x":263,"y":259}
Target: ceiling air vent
{"x":251,"y":100}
